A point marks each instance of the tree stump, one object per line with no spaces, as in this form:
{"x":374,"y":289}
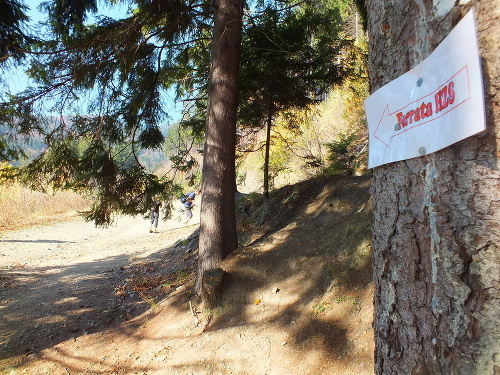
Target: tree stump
{"x":212,"y":284}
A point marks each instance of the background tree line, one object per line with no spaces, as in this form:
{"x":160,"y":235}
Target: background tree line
{"x":106,"y":79}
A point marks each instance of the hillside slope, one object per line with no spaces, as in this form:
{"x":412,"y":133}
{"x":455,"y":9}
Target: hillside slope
{"x":298,"y":299}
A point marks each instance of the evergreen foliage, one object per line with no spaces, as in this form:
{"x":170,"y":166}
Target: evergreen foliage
{"x":110,"y":76}
{"x":340,"y":155}
{"x":290,"y":60}
{"x":13,"y":42}
{"x":13,"y":37}
{"x":103,"y":84}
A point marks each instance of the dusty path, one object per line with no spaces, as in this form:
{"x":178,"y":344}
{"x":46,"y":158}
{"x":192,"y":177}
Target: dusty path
{"x":60,"y":281}
{"x":297,"y":300}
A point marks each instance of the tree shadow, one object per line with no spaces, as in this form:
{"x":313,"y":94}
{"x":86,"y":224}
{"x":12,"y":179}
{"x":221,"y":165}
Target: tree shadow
{"x":280,"y":281}
{"x":324,"y":244}
{"x":36,"y":241}
{"x":43,"y":306}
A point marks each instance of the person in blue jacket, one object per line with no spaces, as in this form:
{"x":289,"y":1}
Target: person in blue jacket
{"x":188,"y":205}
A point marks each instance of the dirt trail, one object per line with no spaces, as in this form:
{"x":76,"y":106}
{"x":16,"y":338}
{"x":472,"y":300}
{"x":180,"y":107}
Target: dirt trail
{"x":60,"y":281}
{"x":298,"y":296}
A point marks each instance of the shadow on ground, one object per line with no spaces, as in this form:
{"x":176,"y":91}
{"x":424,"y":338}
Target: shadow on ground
{"x":85,"y":298}
{"x":298,"y":295}
{"x":314,"y":257}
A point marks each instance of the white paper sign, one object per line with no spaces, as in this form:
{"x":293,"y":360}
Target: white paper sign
{"x":437,"y":103}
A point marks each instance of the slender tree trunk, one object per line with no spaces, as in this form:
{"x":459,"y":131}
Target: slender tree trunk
{"x":218,"y":219}
{"x":269,"y":123}
{"x":436,"y":218}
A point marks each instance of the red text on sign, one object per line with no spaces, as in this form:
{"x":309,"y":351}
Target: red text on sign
{"x":444,"y":97}
{"x":414,"y":115}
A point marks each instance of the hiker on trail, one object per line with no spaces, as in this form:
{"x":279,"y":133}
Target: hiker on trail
{"x":155,"y":214}
{"x":191,"y":196}
{"x":188,"y":204}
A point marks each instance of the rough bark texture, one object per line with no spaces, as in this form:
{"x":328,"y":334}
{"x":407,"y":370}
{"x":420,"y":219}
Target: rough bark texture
{"x":213,"y":282}
{"x":269,"y":124}
{"x":436,"y":218}
{"x":218,"y":219}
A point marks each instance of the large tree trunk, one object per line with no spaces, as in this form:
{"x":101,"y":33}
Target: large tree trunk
{"x":269,"y":124}
{"x":218,"y":219}
{"x":436,"y":218}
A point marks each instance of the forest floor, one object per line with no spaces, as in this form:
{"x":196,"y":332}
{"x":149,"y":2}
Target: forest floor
{"x":298,"y":298}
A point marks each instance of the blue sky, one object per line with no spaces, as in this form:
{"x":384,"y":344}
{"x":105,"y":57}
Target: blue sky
{"x":16,"y":80}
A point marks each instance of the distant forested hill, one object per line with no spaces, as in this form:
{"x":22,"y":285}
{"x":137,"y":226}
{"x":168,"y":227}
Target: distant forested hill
{"x":35,"y":144}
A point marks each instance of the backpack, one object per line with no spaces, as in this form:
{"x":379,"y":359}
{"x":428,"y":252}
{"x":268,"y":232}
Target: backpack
{"x":184,"y":198}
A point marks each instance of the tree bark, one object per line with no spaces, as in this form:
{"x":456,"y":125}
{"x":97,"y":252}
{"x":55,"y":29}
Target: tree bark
{"x":218,"y":219}
{"x":213,"y":282}
{"x":269,"y":124}
{"x":436,"y":218}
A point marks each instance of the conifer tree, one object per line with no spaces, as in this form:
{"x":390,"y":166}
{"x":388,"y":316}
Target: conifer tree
{"x":103,"y":85}
{"x":99,"y":85}
{"x":291,"y":57}
{"x":13,"y":41}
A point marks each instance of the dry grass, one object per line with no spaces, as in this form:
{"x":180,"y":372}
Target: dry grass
{"x":20,"y":206}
